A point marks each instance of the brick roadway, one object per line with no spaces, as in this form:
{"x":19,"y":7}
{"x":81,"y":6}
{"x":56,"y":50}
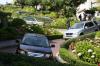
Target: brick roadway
{"x":56,"y":42}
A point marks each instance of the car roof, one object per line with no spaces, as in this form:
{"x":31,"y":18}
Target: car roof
{"x":34,"y":34}
{"x":86,"y":21}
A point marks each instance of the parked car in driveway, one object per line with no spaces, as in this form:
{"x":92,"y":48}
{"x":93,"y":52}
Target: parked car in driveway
{"x":81,"y":28}
{"x":31,"y":20}
{"x":35,"y":45}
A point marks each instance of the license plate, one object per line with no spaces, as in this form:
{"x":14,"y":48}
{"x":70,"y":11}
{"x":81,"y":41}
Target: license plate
{"x":35,"y":54}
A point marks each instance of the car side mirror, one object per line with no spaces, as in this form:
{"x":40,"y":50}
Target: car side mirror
{"x":17,"y":41}
{"x":52,"y":45}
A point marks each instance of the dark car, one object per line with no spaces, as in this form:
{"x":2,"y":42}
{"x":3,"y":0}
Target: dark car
{"x":35,"y":45}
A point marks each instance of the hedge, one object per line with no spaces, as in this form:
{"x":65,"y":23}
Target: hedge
{"x":7,"y":59}
{"x":20,"y":60}
{"x":51,"y":37}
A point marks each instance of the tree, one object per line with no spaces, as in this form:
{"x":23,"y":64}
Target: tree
{"x":4,"y":19}
{"x":21,"y":3}
{"x":70,"y":6}
{"x":98,"y":7}
{"x":98,"y":1}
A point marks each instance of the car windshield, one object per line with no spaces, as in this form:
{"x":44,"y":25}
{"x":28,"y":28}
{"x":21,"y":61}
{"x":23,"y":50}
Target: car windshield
{"x":40,"y":41}
{"x":77,"y":26}
{"x":29,"y":18}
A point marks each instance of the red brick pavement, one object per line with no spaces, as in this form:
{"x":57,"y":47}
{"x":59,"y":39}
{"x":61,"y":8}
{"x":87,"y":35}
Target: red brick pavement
{"x":57,"y":44}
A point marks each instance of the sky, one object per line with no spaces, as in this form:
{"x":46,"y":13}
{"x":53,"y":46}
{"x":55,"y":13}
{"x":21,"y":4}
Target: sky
{"x":5,"y":1}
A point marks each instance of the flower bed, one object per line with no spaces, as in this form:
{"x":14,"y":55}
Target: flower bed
{"x":85,"y":49}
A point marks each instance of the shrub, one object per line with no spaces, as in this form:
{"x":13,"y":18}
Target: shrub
{"x":17,"y":22}
{"x":88,"y":51}
{"x":98,"y":19}
{"x":59,"y":23}
{"x":20,"y":60}
{"x":8,"y":33}
{"x":72,"y":59}
{"x":33,"y":29}
{"x":98,"y":34}
{"x":29,"y":9}
{"x":51,"y":31}
{"x":51,"y":37}
{"x":52,"y":15}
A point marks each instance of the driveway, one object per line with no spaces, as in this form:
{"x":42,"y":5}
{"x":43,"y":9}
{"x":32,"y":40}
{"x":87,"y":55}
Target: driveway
{"x":12,"y":48}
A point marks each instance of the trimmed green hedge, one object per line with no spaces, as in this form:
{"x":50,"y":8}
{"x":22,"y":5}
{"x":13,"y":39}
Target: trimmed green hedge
{"x":20,"y":60}
{"x":69,"y":41}
{"x":98,"y":34}
{"x":54,"y":37}
{"x":8,"y":33}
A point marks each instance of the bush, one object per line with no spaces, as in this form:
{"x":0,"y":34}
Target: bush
{"x":52,"y":15}
{"x":69,"y":41}
{"x":88,"y":51}
{"x":54,"y":37}
{"x":98,"y":34}
{"x":72,"y":59}
{"x":29,"y":9}
{"x":20,"y":60}
{"x":33,"y":29}
{"x":98,"y":19}
{"x":51,"y":31}
{"x":59,"y":23}
{"x":8,"y":33}
{"x":17,"y":22}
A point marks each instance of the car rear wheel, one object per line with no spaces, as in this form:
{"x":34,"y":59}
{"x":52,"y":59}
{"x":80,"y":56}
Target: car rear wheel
{"x":19,"y":51}
{"x":81,"y":34}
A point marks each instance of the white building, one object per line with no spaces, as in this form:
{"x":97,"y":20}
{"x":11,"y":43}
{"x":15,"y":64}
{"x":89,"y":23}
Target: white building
{"x":86,"y":6}
{"x":3,"y":2}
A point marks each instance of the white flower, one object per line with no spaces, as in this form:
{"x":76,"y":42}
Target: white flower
{"x":29,"y":28}
{"x":73,"y":51}
{"x":92,"y":56}
{"x":79,"y":54}
{"x":93,"y":53}
{"x":90,"y":50}
{"x":91,"y":41}
{"x":98,"y":46}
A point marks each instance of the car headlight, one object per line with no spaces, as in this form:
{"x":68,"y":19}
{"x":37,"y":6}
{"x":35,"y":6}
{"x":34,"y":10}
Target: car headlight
{"x":75,"y":33}
{"x":23,"y":52}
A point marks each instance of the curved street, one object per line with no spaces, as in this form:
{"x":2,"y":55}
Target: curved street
{"x":10,"y":46}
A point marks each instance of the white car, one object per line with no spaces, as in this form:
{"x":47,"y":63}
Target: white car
{"x":31,"y":20}
{"x":81,"y":28}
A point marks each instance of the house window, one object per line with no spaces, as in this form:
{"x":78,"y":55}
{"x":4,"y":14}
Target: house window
{"x":89,"y":24}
